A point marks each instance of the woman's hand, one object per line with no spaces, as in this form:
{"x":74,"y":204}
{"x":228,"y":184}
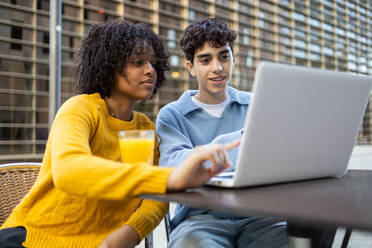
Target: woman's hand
{"x":192,"y":172}
{"x":124,"y":237}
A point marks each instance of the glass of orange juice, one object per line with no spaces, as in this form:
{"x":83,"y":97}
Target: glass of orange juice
{"x":137,"y":146}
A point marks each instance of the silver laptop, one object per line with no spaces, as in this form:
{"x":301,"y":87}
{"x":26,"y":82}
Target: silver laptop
{"x":302,"y":123}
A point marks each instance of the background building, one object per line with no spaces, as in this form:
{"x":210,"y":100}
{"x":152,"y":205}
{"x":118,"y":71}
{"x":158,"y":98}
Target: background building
{"x":330,"y":34}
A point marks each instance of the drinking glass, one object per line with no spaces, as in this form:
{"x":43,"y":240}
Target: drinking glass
{"x":137,"y":146}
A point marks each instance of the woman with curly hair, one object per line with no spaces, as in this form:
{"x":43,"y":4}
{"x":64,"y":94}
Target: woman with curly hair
{"x":84,"y":196}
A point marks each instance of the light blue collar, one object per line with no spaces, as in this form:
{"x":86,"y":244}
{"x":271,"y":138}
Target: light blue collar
{"x":188,"y":105}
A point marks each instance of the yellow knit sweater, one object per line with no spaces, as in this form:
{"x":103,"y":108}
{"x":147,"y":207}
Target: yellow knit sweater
{"x":83,"y":192}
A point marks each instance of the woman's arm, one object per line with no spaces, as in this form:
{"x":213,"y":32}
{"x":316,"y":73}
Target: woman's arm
{"x":191,"y":173}
{"x":76,"y":171}
{"x":124,"y":237}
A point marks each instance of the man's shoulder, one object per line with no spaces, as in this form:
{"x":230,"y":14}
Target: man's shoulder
{"x":169,"y":113}
{"x":172,"y":107}
{"x":180,"y":106}
{"x":242,"y":97}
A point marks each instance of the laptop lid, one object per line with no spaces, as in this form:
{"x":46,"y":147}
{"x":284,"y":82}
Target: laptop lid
{"x":302,"y":124}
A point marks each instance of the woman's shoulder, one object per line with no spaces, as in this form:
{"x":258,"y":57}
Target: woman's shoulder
{"x":84,"y":99}
{"x":80,"y":104}
{"x":143,"y":121}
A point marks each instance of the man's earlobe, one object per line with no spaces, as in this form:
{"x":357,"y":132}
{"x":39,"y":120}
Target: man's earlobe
{"x":190,"y":67}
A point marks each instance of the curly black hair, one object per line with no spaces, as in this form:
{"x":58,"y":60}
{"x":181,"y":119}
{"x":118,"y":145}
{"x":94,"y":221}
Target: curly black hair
{"x":211,"y":30}
{"x":107,"y":47}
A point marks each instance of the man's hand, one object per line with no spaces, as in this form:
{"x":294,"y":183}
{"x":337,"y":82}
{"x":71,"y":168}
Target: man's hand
{"x":192,"y":172}
{"x":124,"y":237}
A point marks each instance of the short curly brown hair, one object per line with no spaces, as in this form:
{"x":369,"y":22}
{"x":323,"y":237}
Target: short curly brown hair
{"x":107,"y":48}
{"x":212,"y":30}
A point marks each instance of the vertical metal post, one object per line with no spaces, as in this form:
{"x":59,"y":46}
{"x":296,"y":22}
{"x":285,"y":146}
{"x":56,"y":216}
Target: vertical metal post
{"x":55,"y":38}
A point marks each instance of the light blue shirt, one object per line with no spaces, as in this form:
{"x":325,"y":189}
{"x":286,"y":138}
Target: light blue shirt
{"x":182,"y":125}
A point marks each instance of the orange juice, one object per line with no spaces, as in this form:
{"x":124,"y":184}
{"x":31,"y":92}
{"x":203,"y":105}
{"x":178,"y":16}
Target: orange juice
{"x":134,"y":150}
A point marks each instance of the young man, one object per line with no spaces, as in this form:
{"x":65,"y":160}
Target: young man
{"x":214,"y":113}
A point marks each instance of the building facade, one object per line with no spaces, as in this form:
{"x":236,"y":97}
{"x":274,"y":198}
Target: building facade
{"x":329,"y":34}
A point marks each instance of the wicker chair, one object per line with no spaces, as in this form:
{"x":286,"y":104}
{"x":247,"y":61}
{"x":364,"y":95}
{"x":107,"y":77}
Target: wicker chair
{"x":16,"y":180}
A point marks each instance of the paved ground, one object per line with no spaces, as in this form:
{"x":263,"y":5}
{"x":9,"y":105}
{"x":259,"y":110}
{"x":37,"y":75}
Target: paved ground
{"x":361,"y":159}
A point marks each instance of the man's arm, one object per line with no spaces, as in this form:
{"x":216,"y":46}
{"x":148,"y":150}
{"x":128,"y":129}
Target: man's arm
{"x":174,"y":145}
